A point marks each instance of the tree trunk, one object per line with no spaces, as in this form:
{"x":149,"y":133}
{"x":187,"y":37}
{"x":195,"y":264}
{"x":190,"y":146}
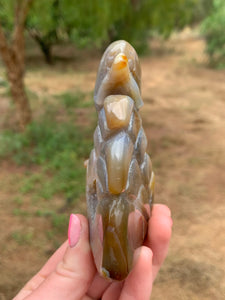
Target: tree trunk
{"x":20,"y":99}
{"x":15,"y":74}
{"x":12,"y":53}
{"x":44,"y":44}
{"x":46,"y":49}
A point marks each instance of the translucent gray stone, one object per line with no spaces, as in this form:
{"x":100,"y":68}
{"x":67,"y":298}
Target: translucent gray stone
{"x":98,"y":140}
{"x":134,"y":125}
{"x":146,"y":169}
{"x":118,"y":190}
{"x":143,"y":201}
{"x":140,"y":146}
{"x":118,"y":153}
{"x":134,"y":179}
{"x":108,"y":58}
{"x":102,"y":173}
{"x":105,"y":132}
{"x":91,"y":170}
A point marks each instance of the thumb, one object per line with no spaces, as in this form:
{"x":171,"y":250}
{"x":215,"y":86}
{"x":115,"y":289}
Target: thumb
{"x":74,"y":273}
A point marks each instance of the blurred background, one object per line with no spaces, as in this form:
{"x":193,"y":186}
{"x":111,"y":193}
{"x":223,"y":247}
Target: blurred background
{"x":49,"y":55}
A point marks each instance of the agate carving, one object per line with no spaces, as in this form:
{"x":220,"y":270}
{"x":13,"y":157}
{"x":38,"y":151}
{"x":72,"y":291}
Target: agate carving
{"x":120,"y":181}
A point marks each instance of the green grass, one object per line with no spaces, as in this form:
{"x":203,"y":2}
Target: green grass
{"x":59,"y":221}
{"x":22,"y":238}
{"x":3,"y":82}
{"x":18,"y":201}
{"x":21,"y":212}
{"x":53,"y":152}
{"x":76,"y":99}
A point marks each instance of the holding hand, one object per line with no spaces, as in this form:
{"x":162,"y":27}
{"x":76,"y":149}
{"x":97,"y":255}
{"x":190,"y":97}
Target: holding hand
{"x":70,"y":274}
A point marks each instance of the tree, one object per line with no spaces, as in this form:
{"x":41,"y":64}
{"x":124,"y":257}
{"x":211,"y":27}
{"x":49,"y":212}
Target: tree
{"x":144,"y":18}
{"x":213,"y":30}
{"x":12,"y":51}
{"x":45,"y":28}
{"x":96,"y":23}
{"x":85,"y":23}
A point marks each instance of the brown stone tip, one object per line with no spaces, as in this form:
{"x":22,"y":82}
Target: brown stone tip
{"x":120,"y":61}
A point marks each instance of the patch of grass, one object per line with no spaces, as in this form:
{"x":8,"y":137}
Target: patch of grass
{"x":57,"y":148}
{"x":4,"y":87}
{"x":18,"y":200}
{"x":21,"y":212}
{"x":31,"y":95}
{"x":23,"y":238}
{"x":30,"y":182}
{"x":50,"y":234}
{"x":44,"y":213}
{"x":3,"y":82}
{"x":75,"y":99}
{"x":59,"y":221}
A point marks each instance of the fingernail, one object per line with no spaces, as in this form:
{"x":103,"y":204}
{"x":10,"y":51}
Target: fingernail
{"x":74,"y":230}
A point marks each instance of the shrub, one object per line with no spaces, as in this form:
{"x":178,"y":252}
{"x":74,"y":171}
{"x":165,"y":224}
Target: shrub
{"x":58,"y":150}
{"x":213,"y":30}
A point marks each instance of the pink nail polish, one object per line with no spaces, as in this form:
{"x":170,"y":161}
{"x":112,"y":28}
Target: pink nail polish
{"x":74,"y":230}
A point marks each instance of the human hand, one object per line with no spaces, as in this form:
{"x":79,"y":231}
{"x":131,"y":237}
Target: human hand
{"x":71,"y":273}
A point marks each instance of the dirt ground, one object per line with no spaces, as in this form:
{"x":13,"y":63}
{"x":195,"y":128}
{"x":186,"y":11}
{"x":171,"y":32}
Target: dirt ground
{"x":184,"y":120}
